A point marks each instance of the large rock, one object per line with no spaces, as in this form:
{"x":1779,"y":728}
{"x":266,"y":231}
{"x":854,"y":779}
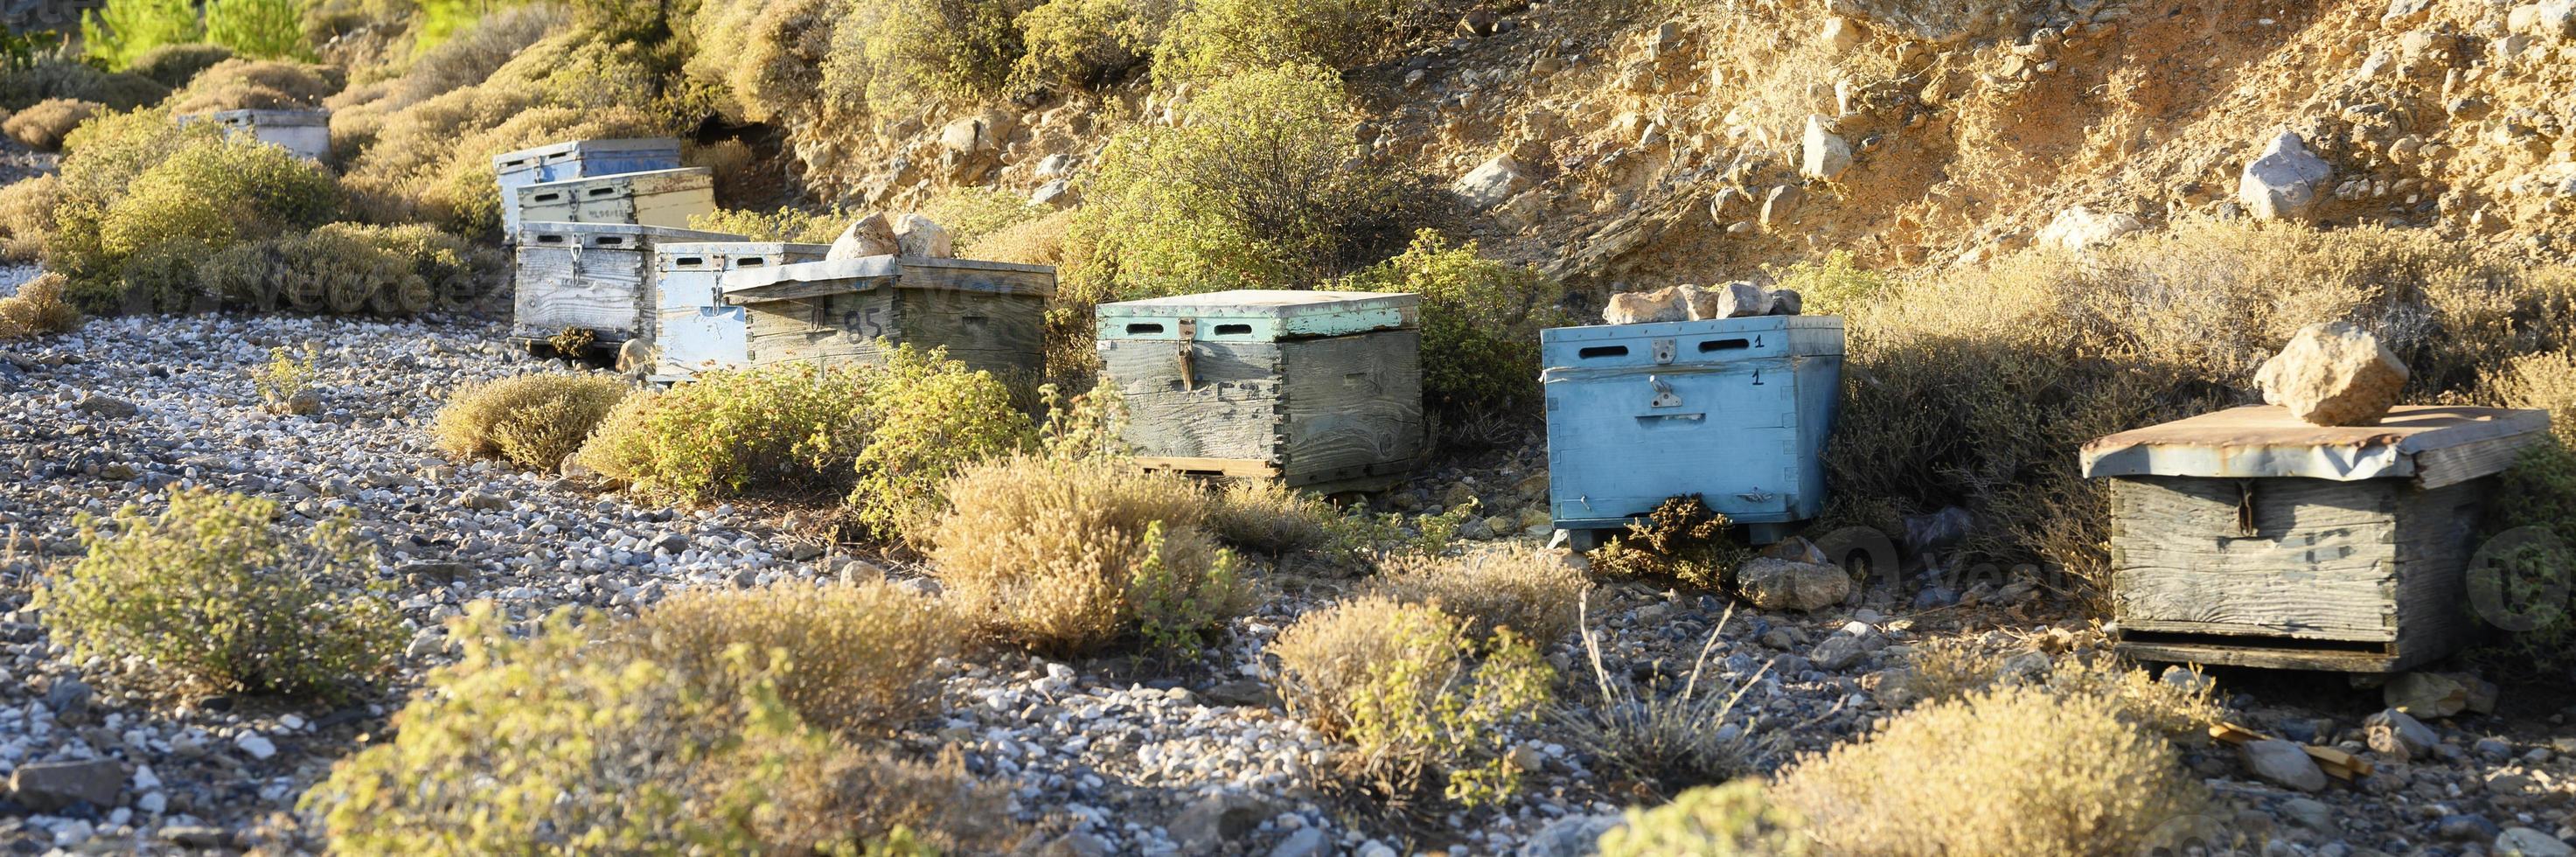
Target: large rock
{"x":1492,"y":182}
{"x":2333,"y":374}
{"x":916,"y":236}
{"x":2284,"y":182}
{"x":2528,"y":842}
{"x":1781,"y":204}
{"x":1207,"y":825}
{"x":48,"y":786}
{"x":1732,"y":300}
{"x":2283,"y":763}
{"x":2425,"y":694}
{"x":1826,"y":155}
{"x":1780,"y":584}
{"x":2079,"y":229}
{"x":868,"y":236}
{"x":1645,"y":307}
{"x":2399,"y":736}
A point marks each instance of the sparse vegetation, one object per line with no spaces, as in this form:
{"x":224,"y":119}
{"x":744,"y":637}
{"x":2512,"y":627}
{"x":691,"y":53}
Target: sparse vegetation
{"x":143,"y":200}
{"x":1069,"y":555}
{"x":286,"y":378}
{"x":212,"y":598}
{"x":1429,"y":708}
{"x":1532,"y":592}
{"x":239,"y":84}
{"x":53,"y":75}
{"x":27,"y":216}
{"x":534,"y":421}
{"x":1212,"y":39}
{"x":1681,"y":539}
{"x":785,"y":224}
{"x":2023,"y":771}
{"x":860,"y":657}
{"x":1082,"y":44}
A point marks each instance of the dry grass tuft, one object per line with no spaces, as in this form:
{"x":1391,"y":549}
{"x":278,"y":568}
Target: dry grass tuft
{"x":1428,"y":706}
{"x":1949,"y":668}
{"x":1067,"y":556}
{"x":1532,"y":592}
{"x":27,"y":215}
{"x":861,"y":658}
{"x":43,"y":126}
{"x":2544,"y":380}
{"x":38,"y":308}
{"x":239,"y":84}
{"x":534,"y":421}
{"x":1670,"y":741}
{"x":2020,"y":771}
{"x":1263,"y":515}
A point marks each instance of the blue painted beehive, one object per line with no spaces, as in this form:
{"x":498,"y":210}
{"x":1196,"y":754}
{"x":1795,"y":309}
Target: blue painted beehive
{"x":1734,"y":410}
{"x":698,"y":330}
{"x":575,"y":159}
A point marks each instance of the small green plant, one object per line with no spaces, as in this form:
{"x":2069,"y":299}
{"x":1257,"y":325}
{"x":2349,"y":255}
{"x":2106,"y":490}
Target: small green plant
{"x":728,"y":432}
{"x":534,"y":421}
{"x":1737,"y":819}
{"x":1480,"y":324}
{"x":1428,"y":706}
{"x":1534,"y":593}
{"x":925,"y":416}
{"x":20,"y":51}
{"x":285,"y":381}
{"x":122,"y":30}
{"x":211,"y":595}
{"x":1665,"y":738}
{"x":970,"y":214}
{"x":267,"y":29}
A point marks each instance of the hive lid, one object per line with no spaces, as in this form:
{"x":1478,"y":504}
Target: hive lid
{"x":626,"y":145}
{"x":688,"y":176}
{"x":2435,"y":445}
{"x":1260,"y":315}
{"x":741,"y":248}
{"x":840,"y":276}
{"x":270,"y":118}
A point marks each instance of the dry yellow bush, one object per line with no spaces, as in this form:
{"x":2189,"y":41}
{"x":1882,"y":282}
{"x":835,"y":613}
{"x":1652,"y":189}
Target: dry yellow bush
{"x":1426,"y":702}
{"x":1263,"y":515}
{"x":1038,"y":241}
{"x":27,"y":215}
{"x":43,"y":126}
{"x":1533,"y":592}
{"x":1065,"y":556}
{"x":860,"y":657}
{"x":37,"y":308}
{"x":534,"y":421}
{"x":2018,"y":771}
{"x":1951,"y":668}
{"x":239,"y":84}
{"x":2546,"y":381}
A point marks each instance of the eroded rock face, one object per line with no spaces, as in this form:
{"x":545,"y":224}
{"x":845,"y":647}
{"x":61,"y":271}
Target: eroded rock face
{"x":2333,"y":374}
{"x":869,"y":236}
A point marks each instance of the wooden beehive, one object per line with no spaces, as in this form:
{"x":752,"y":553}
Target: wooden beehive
{"x":574,"y":159}
{"x":306,"y":133}
{"x":697,"y":329}
{"x":2247,"y":537}
{"x":1733,"y":410}
{"x":590,"y":276}
{"x":989,"y":315}
{"x":1316,"y":389}
{"x":653,"y":198}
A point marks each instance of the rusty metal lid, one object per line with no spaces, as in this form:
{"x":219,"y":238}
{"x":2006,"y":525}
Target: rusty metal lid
{"x":2434,"y":444}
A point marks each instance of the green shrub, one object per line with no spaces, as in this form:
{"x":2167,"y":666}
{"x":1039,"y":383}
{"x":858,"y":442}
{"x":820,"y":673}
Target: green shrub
{"x":1406,"y":685}
{"x":1065,"y":556}
{"x":43,"y":126}
{"x":785,"y":224}
{"x":441,"y":20}
{"x":1733,"y":820}
{"x":248,"y":84}
{"x":2022,"y":771}
{"x":266,"y":29}
{"x":729,"y":432}
{"x":773,"y":67}
{"x":27,"y":215}
{"x":898,"y":57}
{"x":971,"y":213}
{"x":121,"y":31}
{"x":534,"y":421}
{"x":144,"y":201}
{"x":58,"y":77}
{"x":861,"y":657}
{"x":210,"y":594}
{"x":1255,"y":188}
{"x":37,"y":308}
{"x":1083,"y":44}
{"x":1480,"y":324}
{"x":1213,"y":39}
{"x":174,"y":65}
{"x":345,"y":268}
{"x":1682,"y":539}
{"x":553,"y":744}
{"x":924,"y":417}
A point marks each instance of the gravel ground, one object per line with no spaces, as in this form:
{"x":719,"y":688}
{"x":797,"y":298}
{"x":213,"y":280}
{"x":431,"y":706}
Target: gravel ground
{"x":1108,"y":756}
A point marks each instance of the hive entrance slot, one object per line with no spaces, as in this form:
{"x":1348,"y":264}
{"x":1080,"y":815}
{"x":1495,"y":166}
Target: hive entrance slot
{"x":1724,"y":345}
{"x":1233,"y":329}
{"x":1600,"y":351}
{"x":1139,"y":329}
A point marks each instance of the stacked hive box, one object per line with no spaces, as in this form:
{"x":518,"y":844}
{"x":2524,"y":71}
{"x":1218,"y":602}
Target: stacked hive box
{"x":651,"y":198}
{"x":698,"y":330}
{"x":1317,"y":389}
{"x":596,"y":277}
{"x":307,"y":133}
{"x":576,"y":159}
{"x":988,"y":315}
{"x":1733,"y":410}
{"x":2248,"y":537}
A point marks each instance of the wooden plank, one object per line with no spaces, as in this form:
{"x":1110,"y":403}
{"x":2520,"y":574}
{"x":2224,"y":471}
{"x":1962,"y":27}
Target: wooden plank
{"x":2255,"y":653}
{"x":2437,"y":536}
{"x":2319,"y":561}
{"x":1352,"y":401}
{"x":1245,"y":468}
{"x":1233,"y":410}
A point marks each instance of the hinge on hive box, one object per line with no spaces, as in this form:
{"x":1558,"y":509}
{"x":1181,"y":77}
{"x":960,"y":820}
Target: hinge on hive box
{"x":1189,"y":328}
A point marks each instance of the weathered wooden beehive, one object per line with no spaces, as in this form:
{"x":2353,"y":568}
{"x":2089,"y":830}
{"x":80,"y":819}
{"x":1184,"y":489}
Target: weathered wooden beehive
{"x":989,"y":315}
{"x":1316,"y":389}
{"x":2247,"y":537}
{"x":576,"y":159}
{"x":306,"y":133}
{"x":651,"y":198}
{"x":697,"y":329}
{"x":590,"y":276}
{"x":1734,"y":410}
